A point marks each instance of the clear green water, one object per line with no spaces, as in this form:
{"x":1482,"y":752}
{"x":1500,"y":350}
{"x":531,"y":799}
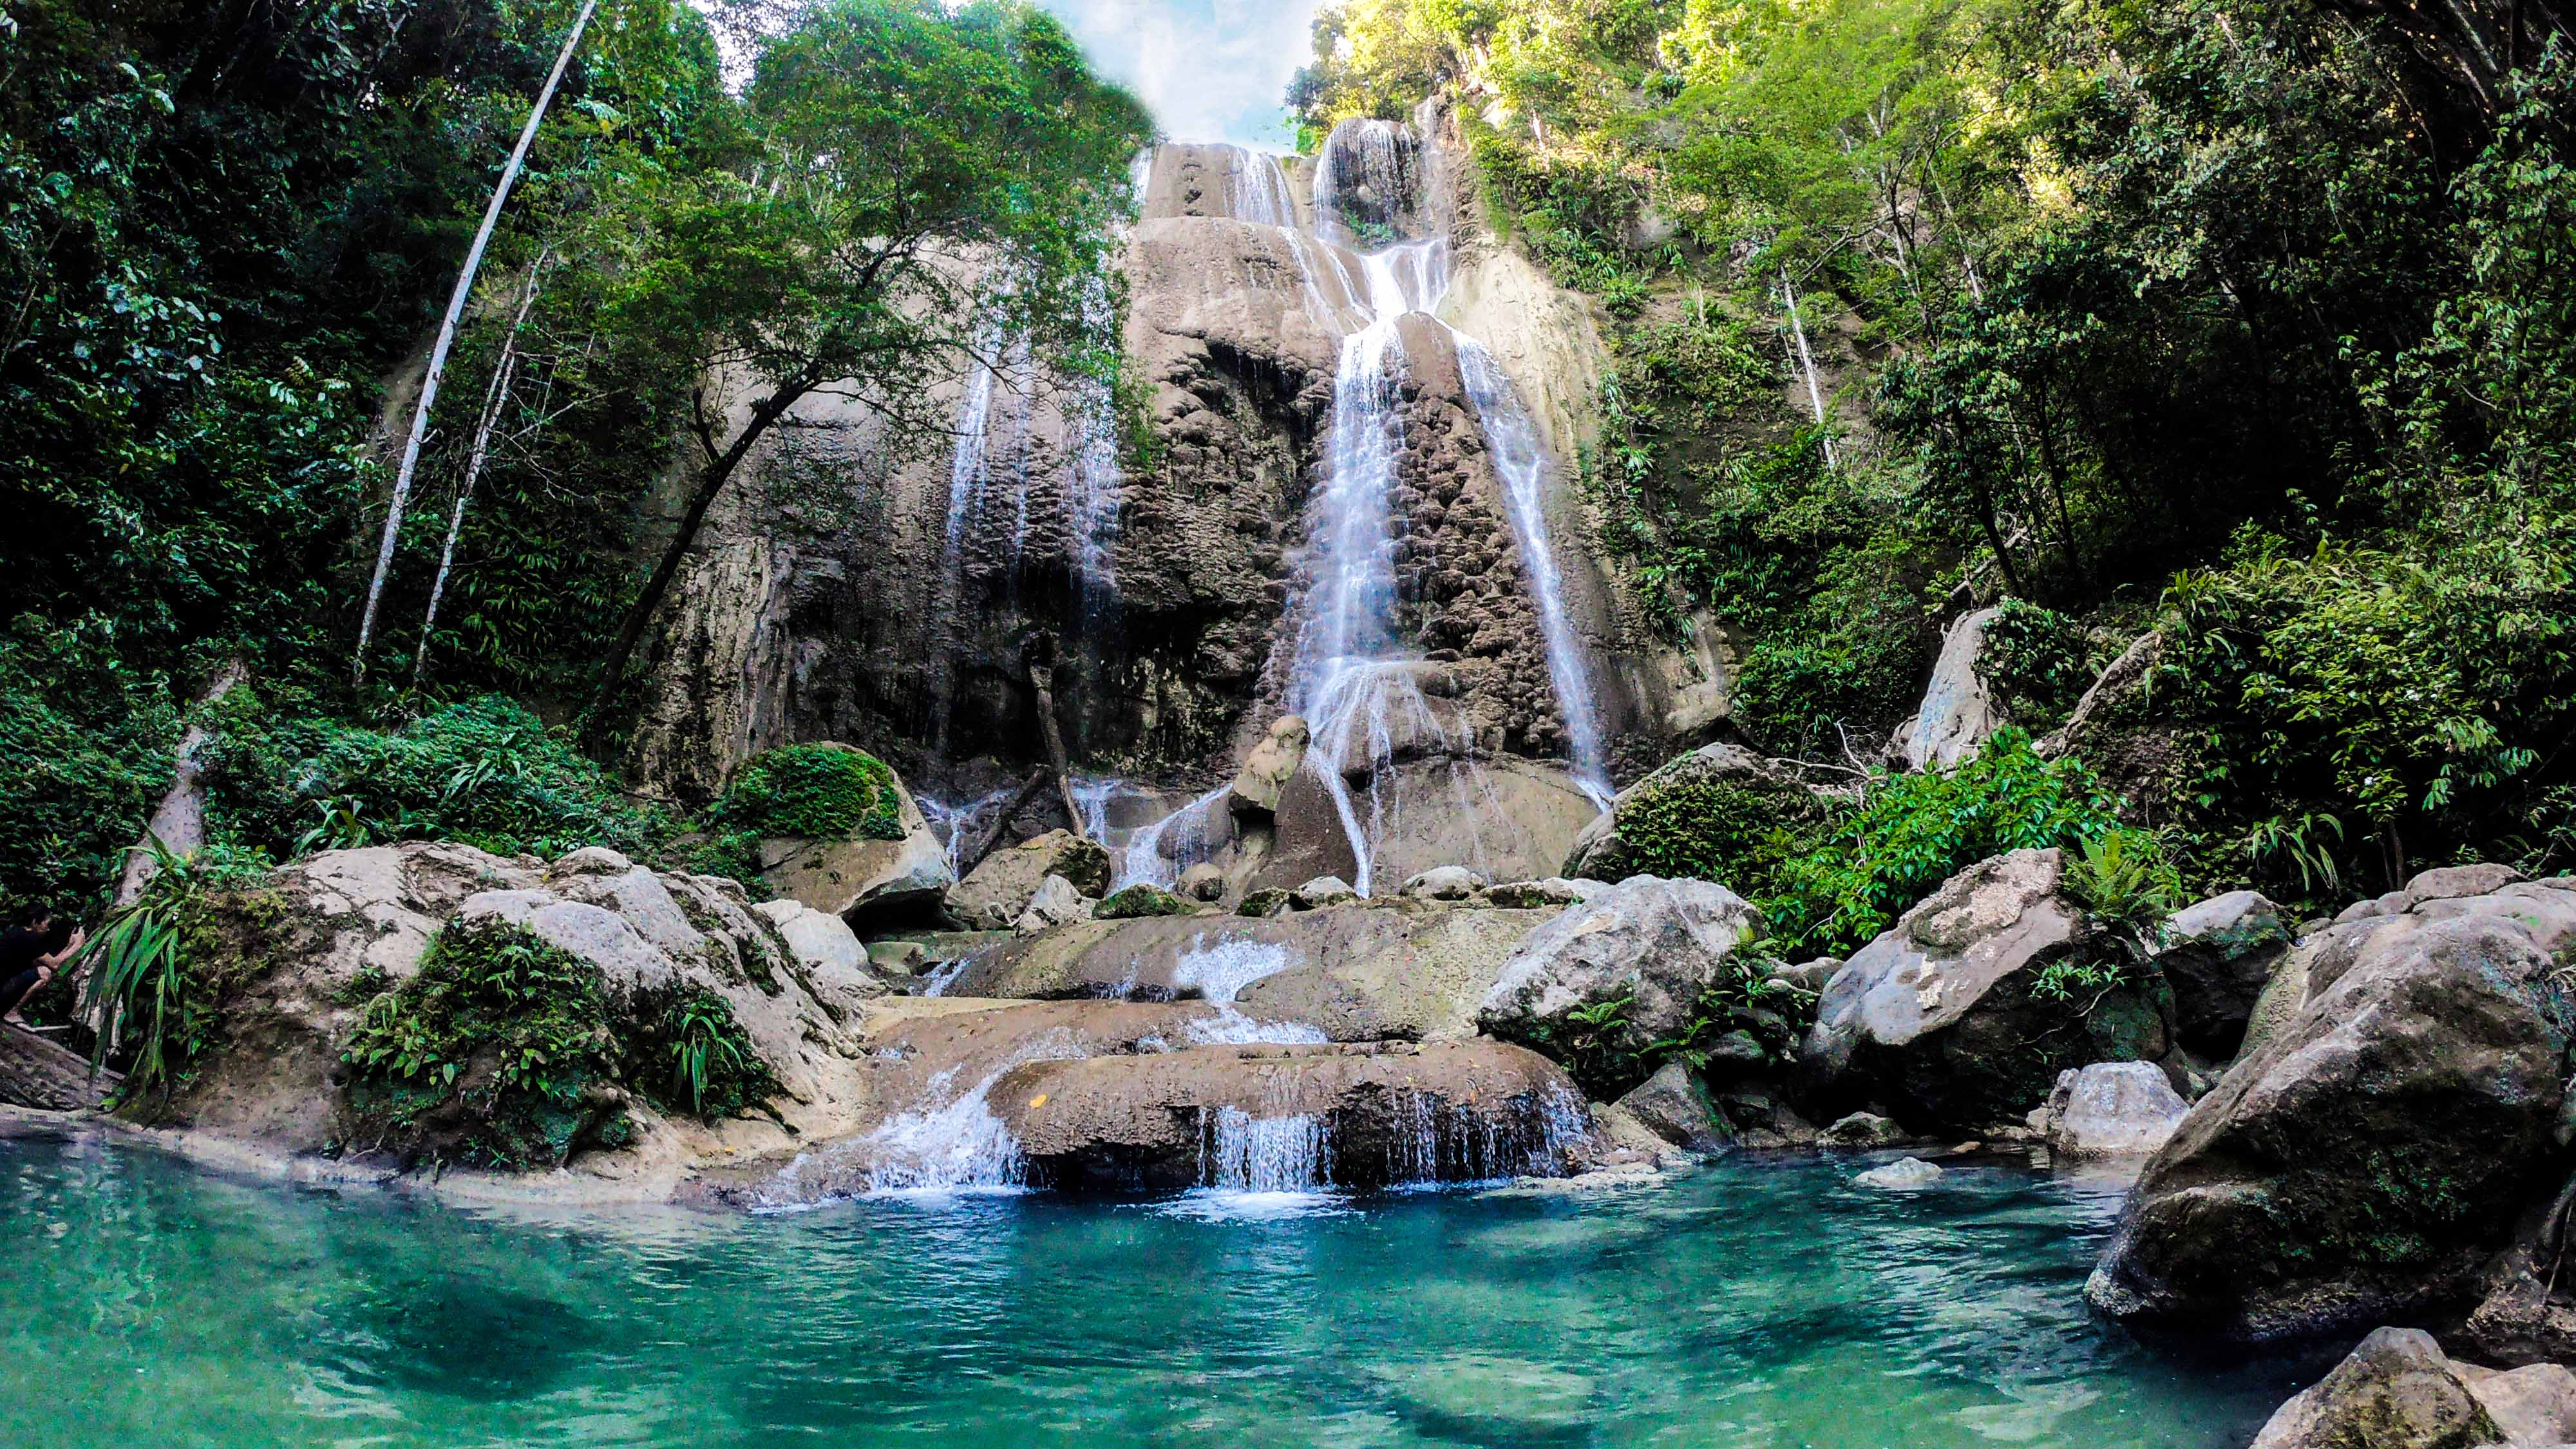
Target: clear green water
{"x":1751,"y":1304}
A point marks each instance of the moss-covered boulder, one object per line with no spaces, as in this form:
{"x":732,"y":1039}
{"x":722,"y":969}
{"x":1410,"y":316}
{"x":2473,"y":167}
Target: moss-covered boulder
{"x":1719,"y":813}
{"x":1142,"y":900}
{"x":835,"y":828}
{"x":995,"y":893}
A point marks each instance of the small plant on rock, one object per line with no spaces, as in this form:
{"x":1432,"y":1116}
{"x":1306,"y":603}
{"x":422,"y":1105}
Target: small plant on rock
{"x":714,"y":1068}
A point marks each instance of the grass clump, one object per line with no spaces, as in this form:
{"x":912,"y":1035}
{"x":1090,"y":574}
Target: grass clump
{"x":707,"y":1066}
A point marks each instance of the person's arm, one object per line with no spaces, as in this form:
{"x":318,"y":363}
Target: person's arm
{"x":70,"y":949}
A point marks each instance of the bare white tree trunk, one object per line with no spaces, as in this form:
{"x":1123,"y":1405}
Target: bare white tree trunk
{"x":447,"y":334}
{"x":1807,"y":360}
{"x":495,"y":400}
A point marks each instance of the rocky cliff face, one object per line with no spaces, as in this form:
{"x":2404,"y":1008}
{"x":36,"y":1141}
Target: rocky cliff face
{"x":850,"y":590}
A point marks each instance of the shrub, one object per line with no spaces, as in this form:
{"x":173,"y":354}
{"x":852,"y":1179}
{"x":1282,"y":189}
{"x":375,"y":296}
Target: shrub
{"x":1719,"y":828}
{"x":1911,"y":832}
{"x":707,"y":1065}
{"x":85,"y":748}
{"x":819,"y":792}
{"x":502,"y":1026}
{"x":153,"y":975}
{"x":2034,"y":664}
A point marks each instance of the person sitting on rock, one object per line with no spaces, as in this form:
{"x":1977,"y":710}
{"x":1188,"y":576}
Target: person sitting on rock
{"x":30,"y":954}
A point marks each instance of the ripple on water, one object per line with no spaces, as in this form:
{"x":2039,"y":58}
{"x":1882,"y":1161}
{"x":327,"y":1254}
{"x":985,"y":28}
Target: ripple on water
{"x":1740,"y":1305}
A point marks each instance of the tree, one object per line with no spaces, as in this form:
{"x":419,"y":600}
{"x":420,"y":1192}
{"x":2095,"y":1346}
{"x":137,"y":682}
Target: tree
{"x":915,"y":180}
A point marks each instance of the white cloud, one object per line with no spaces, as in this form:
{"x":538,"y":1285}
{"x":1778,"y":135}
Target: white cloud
{"x":1212,"y":70}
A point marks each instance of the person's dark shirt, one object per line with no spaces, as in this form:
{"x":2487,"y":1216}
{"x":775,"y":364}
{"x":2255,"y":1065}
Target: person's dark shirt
{"x":20,"y":949}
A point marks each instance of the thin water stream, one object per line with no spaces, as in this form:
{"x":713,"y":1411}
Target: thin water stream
{"x":1749,"y":1304}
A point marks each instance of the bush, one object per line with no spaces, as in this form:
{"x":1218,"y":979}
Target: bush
{"x":499,"y":1024}
{"x":817,"y":792}
{"x":2034,"y":664}
{"x":1911,"y":832}
{"x":485,"y":772}
{"x":697,"y":1059}
{"x":1708,"y":826}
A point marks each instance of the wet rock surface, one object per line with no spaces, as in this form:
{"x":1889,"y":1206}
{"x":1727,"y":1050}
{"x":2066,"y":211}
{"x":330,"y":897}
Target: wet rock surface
{"x":998,"y":889}
{"x":2112,"y":1110}
{"x":1659,"y":944}
{"x":2365,"y":1161}
{"x":2397,"y":1389}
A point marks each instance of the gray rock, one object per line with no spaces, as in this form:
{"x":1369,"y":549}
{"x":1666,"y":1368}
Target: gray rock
{"x":1674,"y":1106}
{"x":1056,"y":903}
{"x":2368,"y":1158}
{"x":864,"y":881}
{"x":820,"y":941}
{"x":1555,"y":890}
{"x":1904,"y":1173}
{"x":2396,"y":1390}
{"x":1936,"y":1018}
{"x":1862,"y":1129}
{"x":1659,"y":944}
{"x":1444,"y":883}
{"x":999,"y":888}
{"x":1323,"y":890}
{"x":1202,"y":882}
{"x":2218,"y":956}
{"x":1268,"y":767}
{"x":1957,"y":713}
{"x":2112,"y":1109}
{"x":1738,"y":775}
{"x":1809,"y":976}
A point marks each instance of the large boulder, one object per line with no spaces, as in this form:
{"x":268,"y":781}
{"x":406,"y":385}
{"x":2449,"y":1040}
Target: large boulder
{"x":1658,"y":945}
{"x":2398,"y":1391}
{"x":1719,"y":800}
{"x":1054,"y":903}
{"x":1943,"y":1018}
{"x":2218,"y":956}
{"x":326,"y":940}
{"x":999,"y":888}
{"x":1293,"y":1116}
{"x":864,"y":881}
{"x":1675,"y":1107}
{"x":1958,"y":712}
{"x":2364,"y":1162}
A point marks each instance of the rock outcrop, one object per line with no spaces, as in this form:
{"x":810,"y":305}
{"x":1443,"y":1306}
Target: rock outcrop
{"x":2364,"y":1162}
{"x":1942,"y":1018}
{"x":1268,"y":767}
{"x":2218,"y":955}
{"x":1957,"y":713}
{"x":1675,"y":1107}
{"x":1383,"y":1112}
{"x":865,"y":881}
{"x":1722,"y":790}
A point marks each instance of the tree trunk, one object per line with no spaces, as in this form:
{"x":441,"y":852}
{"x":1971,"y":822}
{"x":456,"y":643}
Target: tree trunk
{"x":447,"y":336}
{"x":495,"y":399}
{"x":179,"y":823}
{"x":711,"y":481}
{"x":1042,"y":679}
{"x":35,"y":1072}
{"x":1028,"y":791}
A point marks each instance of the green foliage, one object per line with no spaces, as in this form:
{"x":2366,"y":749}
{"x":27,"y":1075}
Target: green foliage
{"x":715,"y":1072}
{"x":818,"y":792}
{"x":2034,"y":664}
{"x":1911,"y":832}
{"x":1597,"y":1049}
{"x":85,"y":751}
{"x":485,"y":772}
{"x":1711,"y":827}
{"x":496,"y":1039}
{"x":151,"y":976}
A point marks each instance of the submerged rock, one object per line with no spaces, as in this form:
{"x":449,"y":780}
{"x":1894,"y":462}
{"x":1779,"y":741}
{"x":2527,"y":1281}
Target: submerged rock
{"x":2112,"y":1109}
{"x":1657,"y":944}
{"x":2366,"y":1160}
{"x":1903,"y":1173}
{"x":995,"y":893}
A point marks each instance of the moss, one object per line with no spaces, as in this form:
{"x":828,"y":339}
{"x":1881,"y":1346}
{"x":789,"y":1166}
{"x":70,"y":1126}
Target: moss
{"x":1261,"y":902}
{"x":1705,"y":826}
{"x":816,"y":792}
{"x":1142,"y":900}
{"x":489,"y":1054}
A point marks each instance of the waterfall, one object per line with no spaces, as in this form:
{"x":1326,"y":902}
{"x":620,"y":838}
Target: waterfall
{"x":965,"y":481}
{"x":1242,"y":1153}
{"x":1517,"y":456}
{"x":1365,"y":170}
{"x":1092,"y":475}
